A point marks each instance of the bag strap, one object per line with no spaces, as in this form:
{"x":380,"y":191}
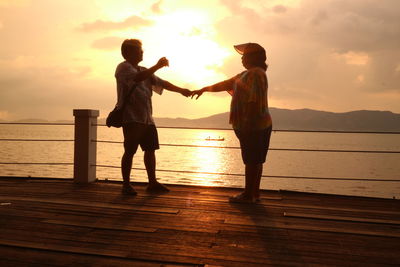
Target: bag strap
{"x":127,"y":97}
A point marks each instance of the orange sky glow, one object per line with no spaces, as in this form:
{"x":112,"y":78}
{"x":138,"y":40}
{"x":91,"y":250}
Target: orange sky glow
{"x":327,"y":55}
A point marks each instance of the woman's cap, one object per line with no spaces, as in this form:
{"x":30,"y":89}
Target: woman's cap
{"x":248,"y":48}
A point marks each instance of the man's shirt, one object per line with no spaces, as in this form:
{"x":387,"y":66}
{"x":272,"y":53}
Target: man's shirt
{"x":139,"y":106}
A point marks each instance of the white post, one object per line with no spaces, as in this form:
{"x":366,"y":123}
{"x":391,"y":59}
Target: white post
{"x":85,"y":146}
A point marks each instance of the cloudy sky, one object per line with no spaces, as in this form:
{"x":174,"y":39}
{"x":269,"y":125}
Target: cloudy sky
{"x":332,"y":55}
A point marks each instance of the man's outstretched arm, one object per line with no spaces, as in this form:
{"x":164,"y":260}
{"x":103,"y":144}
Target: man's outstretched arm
{"x":173,"y":88}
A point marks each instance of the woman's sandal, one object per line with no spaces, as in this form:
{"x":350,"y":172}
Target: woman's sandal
{"x":157,"y":188}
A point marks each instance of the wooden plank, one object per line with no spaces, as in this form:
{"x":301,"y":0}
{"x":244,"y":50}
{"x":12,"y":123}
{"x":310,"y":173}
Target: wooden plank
{"x":93,"y":204}
{"x":308,"y":227}
{"x":35,"y":230}
{"x":94,"y":251}
{"x":235,"y":253}
{"x":171,"y":250}
{"x":339,"y":218}
{"x":273,"y":241}
{"x":157,"y":221}
{"x":155,"y":246}
{"x":322,"y":207}
{"x":226,"y":194}
{"x":104,"y":226}
{"x":109,"y":191}
{"x":15,"y":256}
{"x":317,"y":242}
{"x":154,"y":251}
{"x":152,"y":224}
{"x":195,"y":226}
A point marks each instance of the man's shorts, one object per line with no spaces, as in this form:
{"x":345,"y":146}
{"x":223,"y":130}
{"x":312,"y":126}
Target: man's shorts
{"x":254,"y":145}
{"x":136,"y":134}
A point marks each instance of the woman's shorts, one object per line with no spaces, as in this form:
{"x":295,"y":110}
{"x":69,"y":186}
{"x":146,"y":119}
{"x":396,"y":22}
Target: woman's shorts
{"x":254,"y":145}
{"x":136,"y":134}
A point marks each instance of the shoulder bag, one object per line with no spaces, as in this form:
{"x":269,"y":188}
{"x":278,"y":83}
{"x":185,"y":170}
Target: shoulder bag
{"x":114,"y":118}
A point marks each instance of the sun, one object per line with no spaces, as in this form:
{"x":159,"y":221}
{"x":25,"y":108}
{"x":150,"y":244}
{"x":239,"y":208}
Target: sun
{"x":186,"y":38}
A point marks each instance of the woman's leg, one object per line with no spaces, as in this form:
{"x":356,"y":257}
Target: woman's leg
{"x":256,"y":186}
{"x":251,"y":172}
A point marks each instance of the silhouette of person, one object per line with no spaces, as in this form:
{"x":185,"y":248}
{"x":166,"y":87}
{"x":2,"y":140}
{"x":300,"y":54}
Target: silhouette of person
{"x":138,"y":124}
{"x":249,"y":115}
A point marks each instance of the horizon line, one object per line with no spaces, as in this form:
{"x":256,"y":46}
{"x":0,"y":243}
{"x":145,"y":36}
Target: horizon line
{"x":157,"y":117}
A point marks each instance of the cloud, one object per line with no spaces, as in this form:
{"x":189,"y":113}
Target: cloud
{"x":15,"y":3}
{"x":38,"y":89}
{"x":101,"y":25}
{"x":354,"y":58}
{"x":357,"y":25}
{"x":245,"y":15}
{"x":155,"y":8}
{"x":107,"y":43}
{"x":279,"y":9}
{"x":300,"y":42}
{"x":319,"y":18}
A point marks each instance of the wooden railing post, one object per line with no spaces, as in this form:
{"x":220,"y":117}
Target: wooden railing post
{"x":85,"y":146}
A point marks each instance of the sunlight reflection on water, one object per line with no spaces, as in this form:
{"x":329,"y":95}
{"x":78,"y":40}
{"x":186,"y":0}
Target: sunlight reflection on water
{"x":216,"y":160}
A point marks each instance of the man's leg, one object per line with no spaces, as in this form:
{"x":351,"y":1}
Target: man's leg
{"x":126,"y":166}
{"x":149,"y":145}
{"x":150,"y":163}
{"x":130,"y":146}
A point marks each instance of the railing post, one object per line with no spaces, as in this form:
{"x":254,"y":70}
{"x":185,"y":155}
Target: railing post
{"x":84,"y":146}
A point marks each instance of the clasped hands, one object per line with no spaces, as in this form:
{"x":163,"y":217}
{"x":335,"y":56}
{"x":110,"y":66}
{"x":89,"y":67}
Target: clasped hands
{"x":186,"y":92}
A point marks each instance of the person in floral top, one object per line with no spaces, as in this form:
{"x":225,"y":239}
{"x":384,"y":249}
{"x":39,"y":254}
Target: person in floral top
{"x":249,"y":115}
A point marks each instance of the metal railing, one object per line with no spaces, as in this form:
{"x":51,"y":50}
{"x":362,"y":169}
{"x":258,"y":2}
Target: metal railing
{"x":89,"y":118}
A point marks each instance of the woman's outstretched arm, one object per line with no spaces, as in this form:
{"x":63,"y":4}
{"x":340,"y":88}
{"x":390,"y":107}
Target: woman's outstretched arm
{"x":218,"y":87}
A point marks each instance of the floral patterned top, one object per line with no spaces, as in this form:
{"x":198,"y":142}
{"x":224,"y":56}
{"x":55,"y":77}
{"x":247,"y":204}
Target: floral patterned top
{"x":250,"y":88}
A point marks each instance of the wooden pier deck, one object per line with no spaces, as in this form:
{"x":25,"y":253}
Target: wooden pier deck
{"x":58,"y":223}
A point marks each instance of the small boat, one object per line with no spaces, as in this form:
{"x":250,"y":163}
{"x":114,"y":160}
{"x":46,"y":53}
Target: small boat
{"x":215,"y":139}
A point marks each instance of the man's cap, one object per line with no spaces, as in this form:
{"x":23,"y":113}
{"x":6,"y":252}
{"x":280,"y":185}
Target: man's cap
{"x":248,"y":48}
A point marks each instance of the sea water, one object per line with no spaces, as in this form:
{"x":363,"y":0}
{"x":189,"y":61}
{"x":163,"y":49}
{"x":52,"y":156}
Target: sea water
{"x":184,"y":158}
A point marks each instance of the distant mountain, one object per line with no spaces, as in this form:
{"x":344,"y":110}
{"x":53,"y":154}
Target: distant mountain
{"x":362,"y":120}
{"x":215,"y":121}
{"x":304,"y":119}
{"x":286,"y":119}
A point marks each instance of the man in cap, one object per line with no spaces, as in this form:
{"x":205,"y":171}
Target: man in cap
{"x":138,"y":123}
{"x":249,"y":115}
